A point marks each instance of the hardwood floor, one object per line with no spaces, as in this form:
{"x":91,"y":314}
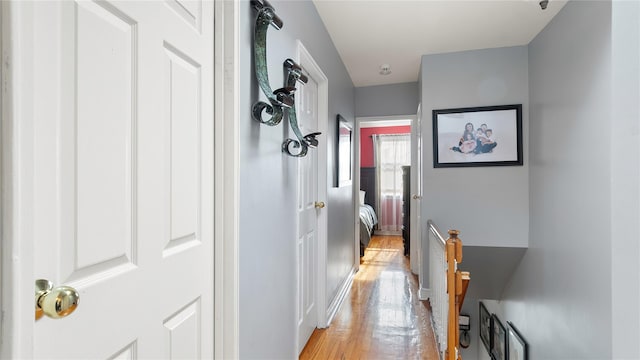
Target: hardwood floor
{"x":383,"y":318}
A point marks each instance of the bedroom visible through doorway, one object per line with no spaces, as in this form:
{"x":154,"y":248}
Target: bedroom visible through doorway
{"x":385,"y":148}
{"x":402,"y":199}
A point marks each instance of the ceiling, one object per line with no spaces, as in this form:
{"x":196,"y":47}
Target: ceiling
{"x":371,"y":33}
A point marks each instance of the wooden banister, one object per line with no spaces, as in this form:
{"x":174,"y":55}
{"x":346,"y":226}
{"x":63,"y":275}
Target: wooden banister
{"x":457,"y":284}
{"x":465,"y":277}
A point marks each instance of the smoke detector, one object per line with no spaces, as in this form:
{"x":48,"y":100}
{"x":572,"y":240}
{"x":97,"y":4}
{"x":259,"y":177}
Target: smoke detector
{"x":385,"y":69}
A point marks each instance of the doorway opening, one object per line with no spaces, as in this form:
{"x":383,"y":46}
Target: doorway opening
{"x":388,"y":171}
{"x":385,"y":152}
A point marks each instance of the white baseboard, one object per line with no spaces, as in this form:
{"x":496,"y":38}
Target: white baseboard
{"x":334,"y":306}
{"x":424,"y":294}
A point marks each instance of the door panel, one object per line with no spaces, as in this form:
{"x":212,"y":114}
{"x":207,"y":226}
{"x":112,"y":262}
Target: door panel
{"x":189,"y":10}
{"x":182,"y":333}
{"x":183,"y":105}
{"x":103,"y":139}
{"x":123,"y":177}
{"x":127,"y":353}
{"x":96,"y":152}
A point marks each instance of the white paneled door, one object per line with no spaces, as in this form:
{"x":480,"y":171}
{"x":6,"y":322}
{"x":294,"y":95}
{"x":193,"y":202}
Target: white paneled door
{"x":116,"y":169}
{"x":309,"y":208}
{"x":416,"y":195}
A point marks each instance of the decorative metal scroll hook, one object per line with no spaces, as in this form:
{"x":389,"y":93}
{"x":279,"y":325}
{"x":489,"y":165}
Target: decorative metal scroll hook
{"x":281,"y":97}
{"x":264,"y":5}
{"x":303,"y":142}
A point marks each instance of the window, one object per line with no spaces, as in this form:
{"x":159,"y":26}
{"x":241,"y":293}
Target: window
{"x":392,"y":152}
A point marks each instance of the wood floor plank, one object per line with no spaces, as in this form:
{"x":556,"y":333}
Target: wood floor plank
{"x":382,"y":318}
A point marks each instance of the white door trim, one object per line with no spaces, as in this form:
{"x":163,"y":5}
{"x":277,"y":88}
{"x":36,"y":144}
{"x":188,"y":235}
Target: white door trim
{"x":16,"y":123}
{"x":312,"y":69}
{"x":227,"y":178}
{"x":356,"y":193}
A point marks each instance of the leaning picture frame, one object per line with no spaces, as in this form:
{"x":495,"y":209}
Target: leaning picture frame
{"x":498,"y":339}
{"x":344,"y":156}
{"x":517,"y":347}
{"x":485,"y":327}
{"x":478,"y":136}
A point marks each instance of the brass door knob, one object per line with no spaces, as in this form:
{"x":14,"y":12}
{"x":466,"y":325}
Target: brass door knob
{"x":319,"y":204}
{"x":417,"y":197}
{"x":55,"y":302}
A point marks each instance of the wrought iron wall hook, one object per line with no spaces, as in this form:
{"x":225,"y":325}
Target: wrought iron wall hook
{"x":283,"y":99}
{"x":280,"y":98}
{"x":303,"y":142}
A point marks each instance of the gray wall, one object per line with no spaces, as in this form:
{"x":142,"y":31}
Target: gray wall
{"x":561,"y":293}
{"x":499,"y":212}
{"x":625,"y":180}
{"x":387,"y":100}
{"x":268,"y":182}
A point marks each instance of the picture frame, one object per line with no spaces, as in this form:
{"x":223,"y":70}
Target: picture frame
{"x":485,"y":330}
{"x":517,"y":346}
{"x":343,"y":150}
{"x":478,"y":136}
{"x":498,"y":339}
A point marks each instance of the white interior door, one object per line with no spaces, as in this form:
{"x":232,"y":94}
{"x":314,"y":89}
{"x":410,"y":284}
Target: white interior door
{"x":416,"y":194}
{"x":308,"y":213}
{"x":115,"y":164}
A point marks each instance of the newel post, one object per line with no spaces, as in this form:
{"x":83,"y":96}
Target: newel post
{"x":454,"y":288}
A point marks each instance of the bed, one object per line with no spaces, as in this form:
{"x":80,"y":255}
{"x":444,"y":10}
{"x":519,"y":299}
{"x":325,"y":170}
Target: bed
{"x":368,"y":221}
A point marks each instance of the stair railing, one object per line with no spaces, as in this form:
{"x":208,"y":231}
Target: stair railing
{"x":448,"y":289}
{"x":438,"y":284}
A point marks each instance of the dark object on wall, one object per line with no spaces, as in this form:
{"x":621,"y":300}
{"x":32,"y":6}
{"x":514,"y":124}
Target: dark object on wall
{"x":283,"y":99}
{"x":406,"y":209}
{"x":478,"y":136}
{"x":517,"y":347}
{"x":464,"y":323}
{"x":368,"y":185}
{"x":485,"y":327}
{"x":344,"y":143}
{"x":544,"y":4}
{"x":498,"y":339}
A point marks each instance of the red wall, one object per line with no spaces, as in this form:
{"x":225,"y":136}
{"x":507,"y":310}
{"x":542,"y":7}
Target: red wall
{"x":366,"y":142}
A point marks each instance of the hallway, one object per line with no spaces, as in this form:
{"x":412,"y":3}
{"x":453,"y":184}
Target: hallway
{"x":383,"y":318}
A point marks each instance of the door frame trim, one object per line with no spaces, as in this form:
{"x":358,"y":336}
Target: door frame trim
{"x":227,"y":178}
{"x":417,"y":162}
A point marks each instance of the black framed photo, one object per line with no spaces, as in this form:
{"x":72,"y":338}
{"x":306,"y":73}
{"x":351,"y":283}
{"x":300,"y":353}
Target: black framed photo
{"x":344,"y":139}
{"x":477,"y":136}
{"x":516,"y":345}
{"x":485,"y":327}
{"x":498,"y":339}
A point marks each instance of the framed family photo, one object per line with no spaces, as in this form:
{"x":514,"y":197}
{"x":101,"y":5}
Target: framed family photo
{"x":477,"y":136}
{"x":498,"y":339}
{"x":485,"y":327}
{"x":516,"y":345}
